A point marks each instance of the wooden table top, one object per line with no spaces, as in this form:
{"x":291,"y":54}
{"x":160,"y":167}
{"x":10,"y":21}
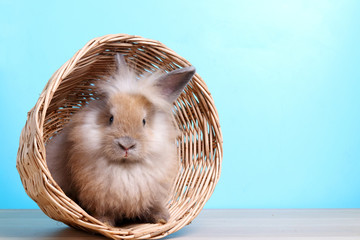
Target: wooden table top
{"x":254,"y":224}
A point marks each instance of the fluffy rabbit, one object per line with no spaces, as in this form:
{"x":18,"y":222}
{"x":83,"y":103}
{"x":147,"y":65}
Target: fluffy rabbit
{"x":117,"y":156}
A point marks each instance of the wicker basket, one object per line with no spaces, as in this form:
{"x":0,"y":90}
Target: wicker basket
{"x":72,"y":86}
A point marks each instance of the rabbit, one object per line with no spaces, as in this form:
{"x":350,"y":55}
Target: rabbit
{"x":117,"y":156}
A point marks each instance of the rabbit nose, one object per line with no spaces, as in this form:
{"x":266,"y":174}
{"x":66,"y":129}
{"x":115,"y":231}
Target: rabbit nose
{"x":126,"y":143}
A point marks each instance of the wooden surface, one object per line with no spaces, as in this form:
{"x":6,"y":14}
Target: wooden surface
{"x":210,"y":224}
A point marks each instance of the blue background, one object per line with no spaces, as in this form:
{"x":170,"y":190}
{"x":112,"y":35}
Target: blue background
{"x":284,"y":76}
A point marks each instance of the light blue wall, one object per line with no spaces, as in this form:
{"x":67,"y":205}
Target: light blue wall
{"x":285,"y":76}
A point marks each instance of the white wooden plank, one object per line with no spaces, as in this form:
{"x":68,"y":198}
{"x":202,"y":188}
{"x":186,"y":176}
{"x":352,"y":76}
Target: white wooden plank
{"x":243,"y":224}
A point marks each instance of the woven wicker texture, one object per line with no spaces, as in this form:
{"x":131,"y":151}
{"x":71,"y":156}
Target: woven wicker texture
{"x":73,"y":86}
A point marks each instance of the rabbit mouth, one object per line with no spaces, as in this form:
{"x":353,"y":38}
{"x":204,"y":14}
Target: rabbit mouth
{"x":117,"y":154}
{"x":127,"y":153}
{"x":127,"y":157}
{"x":125,"y":160}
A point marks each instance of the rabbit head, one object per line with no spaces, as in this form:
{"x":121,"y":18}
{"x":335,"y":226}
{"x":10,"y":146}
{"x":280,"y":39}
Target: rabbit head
{"x":135,"y":113}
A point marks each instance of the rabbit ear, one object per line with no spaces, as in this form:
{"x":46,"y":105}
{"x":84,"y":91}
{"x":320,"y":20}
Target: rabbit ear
{"x":120,"y":60}
{"x":121,"y":64}
{"x":123,"y":69}
{"x":173,"y":83}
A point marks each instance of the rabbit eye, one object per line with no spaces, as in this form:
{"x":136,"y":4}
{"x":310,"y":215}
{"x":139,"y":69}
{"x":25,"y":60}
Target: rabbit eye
{"x":111,"y":119}
{"x":144,"y":122}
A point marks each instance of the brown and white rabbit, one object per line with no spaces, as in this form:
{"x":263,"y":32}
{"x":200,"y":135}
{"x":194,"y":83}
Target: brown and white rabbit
{"x":117,"y":156}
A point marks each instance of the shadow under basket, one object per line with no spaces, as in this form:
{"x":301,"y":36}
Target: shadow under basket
{"x":73,"y":86}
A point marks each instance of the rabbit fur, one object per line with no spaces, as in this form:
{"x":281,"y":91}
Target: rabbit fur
{"x":117,"y":156}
